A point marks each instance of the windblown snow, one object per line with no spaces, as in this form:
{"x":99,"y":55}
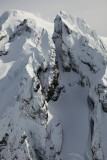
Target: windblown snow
{"x":53,"y":89}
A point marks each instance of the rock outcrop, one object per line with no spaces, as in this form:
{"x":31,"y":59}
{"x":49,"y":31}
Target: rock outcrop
{"x":39,"y":64}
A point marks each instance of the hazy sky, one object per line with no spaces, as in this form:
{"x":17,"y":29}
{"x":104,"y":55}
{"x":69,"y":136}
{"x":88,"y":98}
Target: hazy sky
{"x":93,"y":11}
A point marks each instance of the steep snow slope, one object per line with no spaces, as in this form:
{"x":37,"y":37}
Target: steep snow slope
{"x":28,"y":74}
{"x":20,"y":47}
{"x":82,"y":57}
{"x":53,"y":97}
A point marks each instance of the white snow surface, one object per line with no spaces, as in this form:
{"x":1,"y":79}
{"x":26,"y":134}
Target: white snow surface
{"x":27,"y":69}
{"x":82,"y":52}
{"x":53,"y":89}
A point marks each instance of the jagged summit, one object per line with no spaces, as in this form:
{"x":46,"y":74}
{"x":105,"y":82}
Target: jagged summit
{"x":53,"y":89}
{"x":83,"y":53}
{"x":77,"y":24}
{"x":11,"y":19}
{"x":28,"y":75}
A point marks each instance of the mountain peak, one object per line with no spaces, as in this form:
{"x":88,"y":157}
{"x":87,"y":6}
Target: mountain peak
{"x":78,"y":24}
{"x":53,"y":87}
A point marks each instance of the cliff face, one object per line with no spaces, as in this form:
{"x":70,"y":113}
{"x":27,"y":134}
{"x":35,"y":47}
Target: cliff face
{"x":83,"y":53}
{"x":53,"y":89}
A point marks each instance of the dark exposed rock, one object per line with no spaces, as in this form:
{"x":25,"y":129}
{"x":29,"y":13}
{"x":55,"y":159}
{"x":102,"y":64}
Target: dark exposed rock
{"x":54,"y":84}
{"x":100,"y":91}
{"x":23,"y":138}
{"x":3,"y":142}
{"x":83,"y":81}
{"x":92,"y":127}
{"x":91,"y":66}
{"x":39,"y":155}
{"x":2,"y":37}
{"x":22,"y":23}
{"x":20,"y":29}
{"x":91,"y":102}
{"x":72,"y":65}
{"x":3,"y":53}
{"x":69,"y":31}
{"x":66,"y":68}
{"x":104,"y":106}
{"x":100,"y":88}
{"x":57,"y":93}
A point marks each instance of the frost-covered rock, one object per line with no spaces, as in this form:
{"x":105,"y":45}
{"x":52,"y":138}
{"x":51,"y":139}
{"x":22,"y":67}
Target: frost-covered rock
{"x":25,"y":131}
{"x":51,"y":77}
{"x":83,"y":52}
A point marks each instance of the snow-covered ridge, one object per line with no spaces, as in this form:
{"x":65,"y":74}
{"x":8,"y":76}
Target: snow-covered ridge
{"x":9,"y":17}
{"x":29,"y":73}
{"x":42,"y":65}
{"x":77,"y":25}
{"x":84,"y":53}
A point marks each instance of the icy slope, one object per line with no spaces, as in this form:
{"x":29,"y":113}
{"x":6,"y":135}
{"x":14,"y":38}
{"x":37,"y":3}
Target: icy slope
{"x":82,"y":58}
{"x":28,"y":74}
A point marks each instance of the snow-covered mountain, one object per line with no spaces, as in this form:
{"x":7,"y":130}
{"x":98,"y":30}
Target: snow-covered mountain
{"x":53,"y":89}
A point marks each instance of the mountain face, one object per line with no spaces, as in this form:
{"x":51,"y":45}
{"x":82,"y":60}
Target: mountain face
{"x":53,"y":89}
